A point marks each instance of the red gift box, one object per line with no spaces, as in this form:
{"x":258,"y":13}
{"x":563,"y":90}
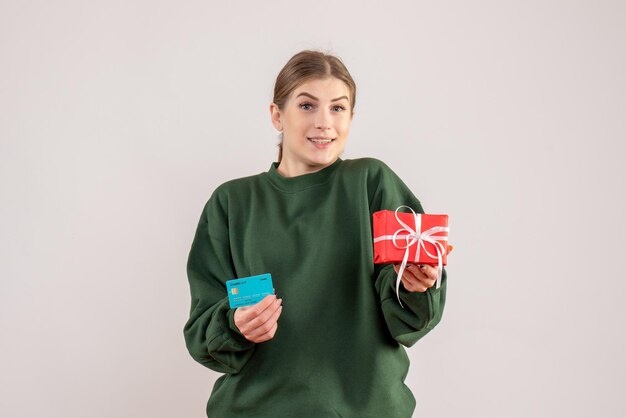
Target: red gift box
{"x":431,"y":232}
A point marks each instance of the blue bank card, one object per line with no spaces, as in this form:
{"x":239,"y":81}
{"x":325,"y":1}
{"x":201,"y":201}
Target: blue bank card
{"x":249,"y":290}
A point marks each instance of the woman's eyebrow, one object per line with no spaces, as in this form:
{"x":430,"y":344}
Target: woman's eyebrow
{"x":315,"y":98}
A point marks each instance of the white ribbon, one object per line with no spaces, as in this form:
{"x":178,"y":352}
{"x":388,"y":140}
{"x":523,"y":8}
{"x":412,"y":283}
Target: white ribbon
{"x":413,"y":237}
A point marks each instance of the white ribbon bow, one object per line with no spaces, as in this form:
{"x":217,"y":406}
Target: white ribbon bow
{"x":413,"y":237}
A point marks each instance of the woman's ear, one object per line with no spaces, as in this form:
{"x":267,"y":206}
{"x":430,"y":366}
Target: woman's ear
{"x":276,"y":117}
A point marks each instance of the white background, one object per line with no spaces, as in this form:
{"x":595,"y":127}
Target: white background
{"x":119,"y":118}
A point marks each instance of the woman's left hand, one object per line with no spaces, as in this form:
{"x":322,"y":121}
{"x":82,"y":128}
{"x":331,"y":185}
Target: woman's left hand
{"x":417,"y":278}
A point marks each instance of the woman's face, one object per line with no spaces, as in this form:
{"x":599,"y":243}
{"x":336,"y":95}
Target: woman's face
{"x":315,"y":124}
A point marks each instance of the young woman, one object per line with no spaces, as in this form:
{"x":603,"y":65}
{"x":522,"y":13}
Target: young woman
{"x":332,"y":344}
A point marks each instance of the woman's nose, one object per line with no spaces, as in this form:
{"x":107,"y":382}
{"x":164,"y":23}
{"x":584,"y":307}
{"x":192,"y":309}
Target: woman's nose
{"x":322,"y":121}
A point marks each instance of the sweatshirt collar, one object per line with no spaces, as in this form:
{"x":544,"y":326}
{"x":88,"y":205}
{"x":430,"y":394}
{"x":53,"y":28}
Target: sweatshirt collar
{"x":304,"y":181}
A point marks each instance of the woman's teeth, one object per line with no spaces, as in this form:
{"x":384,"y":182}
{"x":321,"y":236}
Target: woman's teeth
{"x":320,"y":141}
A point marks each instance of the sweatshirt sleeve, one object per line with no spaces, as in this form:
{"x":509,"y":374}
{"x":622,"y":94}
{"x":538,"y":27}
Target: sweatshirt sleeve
{"x":211,"y":335}
{"x":422,"y":310}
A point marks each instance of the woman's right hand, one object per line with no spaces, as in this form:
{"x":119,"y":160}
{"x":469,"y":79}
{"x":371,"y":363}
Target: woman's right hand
{"x":258,"y":323}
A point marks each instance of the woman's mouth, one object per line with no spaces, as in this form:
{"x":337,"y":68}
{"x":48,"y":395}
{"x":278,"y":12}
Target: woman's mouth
{"x":321,"y":141}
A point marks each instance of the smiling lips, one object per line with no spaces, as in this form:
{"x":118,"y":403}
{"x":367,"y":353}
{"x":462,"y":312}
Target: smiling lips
{"x":321,"y":140}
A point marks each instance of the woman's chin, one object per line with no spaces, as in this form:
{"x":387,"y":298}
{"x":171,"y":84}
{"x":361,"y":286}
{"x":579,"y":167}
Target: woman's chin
{"x":324,"y":161}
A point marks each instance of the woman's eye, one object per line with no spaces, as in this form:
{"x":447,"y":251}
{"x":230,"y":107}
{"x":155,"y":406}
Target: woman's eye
{"x":309,"y":106}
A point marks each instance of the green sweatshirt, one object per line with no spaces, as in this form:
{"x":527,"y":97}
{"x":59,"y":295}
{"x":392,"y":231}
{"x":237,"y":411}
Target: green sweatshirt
{"x":338,"y":348}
